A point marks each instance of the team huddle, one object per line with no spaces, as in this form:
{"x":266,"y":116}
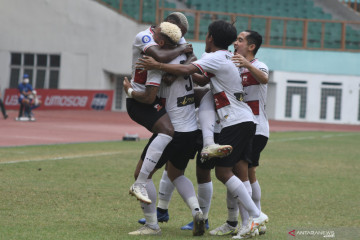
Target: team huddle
{"x":212,"y":108}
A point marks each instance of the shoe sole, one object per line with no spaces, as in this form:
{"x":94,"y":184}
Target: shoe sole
{"x":221,"y":152}
{"x":139,"y":199}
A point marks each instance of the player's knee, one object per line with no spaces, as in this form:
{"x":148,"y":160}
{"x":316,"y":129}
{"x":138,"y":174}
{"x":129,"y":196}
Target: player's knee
{"x":168,"y":130}
{"x":222,"y":176}
{"x":203,"y":176}
{"x":252,"y":174}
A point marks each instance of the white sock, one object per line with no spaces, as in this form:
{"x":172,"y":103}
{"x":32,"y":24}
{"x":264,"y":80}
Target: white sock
{"x":166,"y":189}
{"x":186,"y":190}
{"x":232,"y":206}
{"x":256,"y":194}
{"x":207,"y":118}
{"x":243,"y":212}
{"x":205,"y":191}
{"x":152,"y":156}
{"x":150,"y":209}
{"x":238,"y":190}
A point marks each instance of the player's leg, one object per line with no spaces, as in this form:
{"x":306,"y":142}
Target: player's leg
{"x":259,"y":144}
{"x":205,"y":191}
{"x":151,"y":227}
{"x":166,"y":189}
{"x":207,"y":118}
{"x":203,"y":176}
{"x":184,"y":150}
{"x":241,"y":171}
{"x":186,"y":190}
{"x":156,"y":120}
{"x":165,"y":131}
{"x":238,"y":136}
{"x":230,"y":226}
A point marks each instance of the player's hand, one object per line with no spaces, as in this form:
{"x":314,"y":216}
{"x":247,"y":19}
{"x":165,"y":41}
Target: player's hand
{"x":126,"y":84}
{"x":187,"y":48}
{"x":168,"y":78}
{"x":148,"y":63}
{"x":240,"y":61}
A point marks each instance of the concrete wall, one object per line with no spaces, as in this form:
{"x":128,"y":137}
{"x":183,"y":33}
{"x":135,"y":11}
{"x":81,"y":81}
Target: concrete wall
{"x":349,"y":98}
{"x":89,"y":37}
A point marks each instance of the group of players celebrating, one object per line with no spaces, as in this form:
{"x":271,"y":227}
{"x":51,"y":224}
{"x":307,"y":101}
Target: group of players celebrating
{"x":213,"y":106}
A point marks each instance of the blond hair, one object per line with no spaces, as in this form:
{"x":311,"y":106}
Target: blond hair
{"x":171,"y":30}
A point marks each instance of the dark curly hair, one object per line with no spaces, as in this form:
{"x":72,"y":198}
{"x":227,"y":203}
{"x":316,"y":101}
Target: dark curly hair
{"x":223,"y":33}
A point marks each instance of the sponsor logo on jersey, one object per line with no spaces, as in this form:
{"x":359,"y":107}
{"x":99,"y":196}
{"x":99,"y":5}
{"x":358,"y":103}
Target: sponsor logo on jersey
{"x":185,"y":100}
{"x":99,"y":101}
{"x":239,"y":96}
{"x":158,"y":107}
{"x":146,"y":39}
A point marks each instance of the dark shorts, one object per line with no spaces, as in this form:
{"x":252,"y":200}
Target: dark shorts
{"x":145,"y":114}
{"x":239,"y":137}
{"x":179,"y":151}
{"x":258,"y":144}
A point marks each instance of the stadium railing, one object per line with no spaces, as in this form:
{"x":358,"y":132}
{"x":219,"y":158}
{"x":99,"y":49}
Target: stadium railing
{"x":278,"y":32}
{"x":353,"y":4}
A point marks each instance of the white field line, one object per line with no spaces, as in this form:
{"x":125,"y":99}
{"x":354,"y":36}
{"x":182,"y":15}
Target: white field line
{"x":115,"y":153}
{"x":66,"y":157}
{"x":313,"y":137}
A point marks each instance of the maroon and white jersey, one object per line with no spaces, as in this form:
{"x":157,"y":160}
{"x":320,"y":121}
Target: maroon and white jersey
{"x":143,"y":41}
{"x":255,"y":96}
{"x":225,"y":84}
{"x":178,"y":99}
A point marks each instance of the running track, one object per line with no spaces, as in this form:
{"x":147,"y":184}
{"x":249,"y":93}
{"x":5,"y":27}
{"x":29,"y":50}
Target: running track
{"x":54,"y":127}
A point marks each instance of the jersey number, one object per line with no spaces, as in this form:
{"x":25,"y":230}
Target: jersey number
{"x":187,"y":87}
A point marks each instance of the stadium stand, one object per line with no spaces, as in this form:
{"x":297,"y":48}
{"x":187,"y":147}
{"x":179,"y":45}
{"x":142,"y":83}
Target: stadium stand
{"x":300,"y":19}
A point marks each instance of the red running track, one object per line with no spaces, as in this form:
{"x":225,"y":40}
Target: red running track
{"x":53,"y":127}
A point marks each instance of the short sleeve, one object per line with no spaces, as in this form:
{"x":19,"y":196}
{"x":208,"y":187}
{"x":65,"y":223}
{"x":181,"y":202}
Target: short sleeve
{"x":208,"y":63}
{"x":153,"y":78}
{"x":263,"y":67}
{"x":143,"y":41}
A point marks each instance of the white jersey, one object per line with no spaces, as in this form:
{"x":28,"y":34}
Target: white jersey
{"x":143,"y":41}
{"x":225,"y":83}
{"x":179,"y":101}
{"x":255,"y":96}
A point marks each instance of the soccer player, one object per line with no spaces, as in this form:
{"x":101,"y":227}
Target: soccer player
{"x":159,"y":122}
{"x":145,"y":108}
{"x":254,"y":76}
{"x":236,"y":117}
{"x":178,"y":99}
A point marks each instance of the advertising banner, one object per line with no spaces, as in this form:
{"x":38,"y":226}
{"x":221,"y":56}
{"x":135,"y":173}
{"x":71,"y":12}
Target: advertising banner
{"x":54,"y":99}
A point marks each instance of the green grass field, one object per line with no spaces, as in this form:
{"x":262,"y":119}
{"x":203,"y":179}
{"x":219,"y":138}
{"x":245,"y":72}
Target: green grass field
{"x":80,"y":191}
